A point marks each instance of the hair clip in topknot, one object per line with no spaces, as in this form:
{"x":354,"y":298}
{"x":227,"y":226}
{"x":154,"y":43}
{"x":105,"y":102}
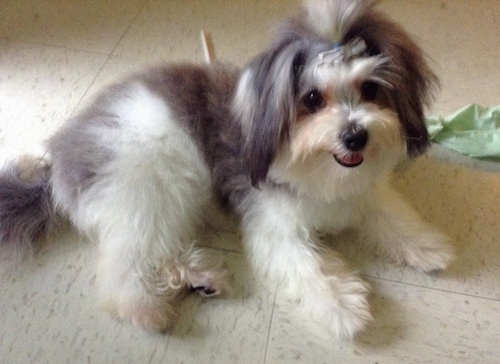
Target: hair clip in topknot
{"x":342,"y":53}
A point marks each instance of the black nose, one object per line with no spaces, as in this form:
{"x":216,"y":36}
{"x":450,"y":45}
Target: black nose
{"x":354,"y":137}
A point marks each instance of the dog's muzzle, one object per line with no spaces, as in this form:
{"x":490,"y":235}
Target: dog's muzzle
{"x":354,"y":138}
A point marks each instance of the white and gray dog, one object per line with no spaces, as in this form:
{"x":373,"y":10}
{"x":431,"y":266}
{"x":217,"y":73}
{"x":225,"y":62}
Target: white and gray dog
{"x":300,"y":141}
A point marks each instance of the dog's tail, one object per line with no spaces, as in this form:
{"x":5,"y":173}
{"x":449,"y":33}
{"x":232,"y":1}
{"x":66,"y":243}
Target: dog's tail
{"x":27,"y":212}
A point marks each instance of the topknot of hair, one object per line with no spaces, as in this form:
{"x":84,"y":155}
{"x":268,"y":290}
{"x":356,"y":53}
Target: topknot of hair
{"x":333,"y":18}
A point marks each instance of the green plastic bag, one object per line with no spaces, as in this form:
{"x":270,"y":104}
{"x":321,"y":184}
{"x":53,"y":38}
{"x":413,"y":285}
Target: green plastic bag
{"x":473,"y":131}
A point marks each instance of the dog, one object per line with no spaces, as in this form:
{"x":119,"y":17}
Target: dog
{"x":299,"y":142}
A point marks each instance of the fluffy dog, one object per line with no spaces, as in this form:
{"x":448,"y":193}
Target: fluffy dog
{"x":300,"y":141}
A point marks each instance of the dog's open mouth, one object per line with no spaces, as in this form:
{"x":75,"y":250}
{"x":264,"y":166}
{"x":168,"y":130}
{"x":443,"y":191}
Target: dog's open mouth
{"x":349,"y":160}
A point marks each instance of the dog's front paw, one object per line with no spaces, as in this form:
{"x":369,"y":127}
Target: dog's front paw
{"x":428,"y":253}
{"x":343,"y":308}
{"x":347,"y":323}
{"x":351,"y":313}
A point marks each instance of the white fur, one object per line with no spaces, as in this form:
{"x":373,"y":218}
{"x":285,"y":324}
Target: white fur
{"x":148,"y":203}
{"x":162,"y":186}
{"x":279,"y":232}
{"x":145,"y":210}
{"x":308,"y":164}
{"x":280,"y":229}
{"x":308,"y":191}
{"x":244,"y":100}
{"x":330,"y":18}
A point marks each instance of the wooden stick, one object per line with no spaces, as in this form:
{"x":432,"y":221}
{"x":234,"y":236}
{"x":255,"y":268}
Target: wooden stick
{"x":208,"y":47}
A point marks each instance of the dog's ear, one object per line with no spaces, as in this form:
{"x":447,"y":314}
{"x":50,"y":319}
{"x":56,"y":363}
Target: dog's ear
{"x":265,"y":104}
{"x":413,"y":84}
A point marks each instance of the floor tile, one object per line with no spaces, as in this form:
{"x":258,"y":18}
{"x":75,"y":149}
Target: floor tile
{"x":52,"y":302}
{"x":171,"y":30}
{"x":56,"y":55}
{"x":458,"y":202}
{"x":39,"y":88}
{"x":230,"y":329}
{"x":412,"y":325}
{"x":95,"y":25}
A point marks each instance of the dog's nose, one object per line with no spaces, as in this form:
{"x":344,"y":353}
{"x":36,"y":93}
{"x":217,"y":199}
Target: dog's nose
{"x":354,"y":137}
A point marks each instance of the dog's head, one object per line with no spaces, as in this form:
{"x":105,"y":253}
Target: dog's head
{"x":340,"y":93}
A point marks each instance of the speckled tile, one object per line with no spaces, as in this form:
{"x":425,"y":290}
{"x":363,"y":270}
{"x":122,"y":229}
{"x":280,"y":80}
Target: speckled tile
{"x":230,"y":329}
{"x":55,"y":55}
{"x":412,"y":325}
{"x":95,"y":25}
{"x":458,"y":202}
{"x":39,"y":88}
{"x":52,"y":303}
{"x":171,"y":29}
{"x":113,"y":70}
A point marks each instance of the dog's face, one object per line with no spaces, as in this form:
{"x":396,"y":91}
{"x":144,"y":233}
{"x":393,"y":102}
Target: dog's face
{"x":344,"y":132}
{"x":327,"y":118}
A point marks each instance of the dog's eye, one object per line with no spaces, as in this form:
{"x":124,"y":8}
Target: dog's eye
{"x":369,"y":90}
{"x":313,"y":101}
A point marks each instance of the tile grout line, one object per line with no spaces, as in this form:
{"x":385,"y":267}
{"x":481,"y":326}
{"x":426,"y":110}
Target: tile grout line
{"x":59,"y":46}
{"x":109,"y":55}
{"x":128,"y":28}
{"x":270,"y":325}
{"x":432,"y":288}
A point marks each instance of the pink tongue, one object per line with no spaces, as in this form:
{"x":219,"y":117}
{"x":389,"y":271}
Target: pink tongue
{"x":351,"y":159}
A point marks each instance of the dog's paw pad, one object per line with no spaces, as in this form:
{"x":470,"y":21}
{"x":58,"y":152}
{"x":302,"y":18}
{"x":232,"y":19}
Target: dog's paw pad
{"x":204,"y":291}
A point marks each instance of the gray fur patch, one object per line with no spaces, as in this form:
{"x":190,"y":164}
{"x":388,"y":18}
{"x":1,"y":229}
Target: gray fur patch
{"x":26,"y":212}
{"x":78,"y":156}
{"x":201,"y":97}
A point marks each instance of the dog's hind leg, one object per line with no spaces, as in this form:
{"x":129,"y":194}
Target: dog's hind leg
{"x":146,"y":243}
{"x":147,"y":252}
{"x":132,"y":178}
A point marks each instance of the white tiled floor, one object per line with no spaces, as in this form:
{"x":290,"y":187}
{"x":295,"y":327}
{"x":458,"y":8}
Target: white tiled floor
{"x":54,"y":54}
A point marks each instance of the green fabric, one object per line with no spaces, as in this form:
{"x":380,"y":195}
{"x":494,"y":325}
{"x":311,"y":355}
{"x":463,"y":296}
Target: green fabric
{"x":473,"y":131}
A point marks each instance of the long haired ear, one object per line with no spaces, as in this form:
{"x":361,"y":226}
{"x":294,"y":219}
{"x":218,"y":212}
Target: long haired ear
{"x":413,"y":82}
{"x":265,"y":104}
